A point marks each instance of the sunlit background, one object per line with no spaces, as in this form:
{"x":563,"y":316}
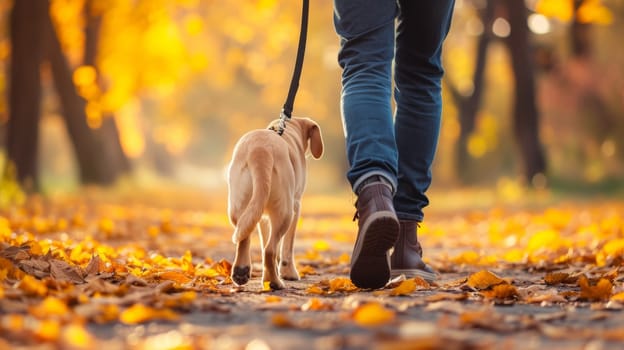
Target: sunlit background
{"x":165,"y":88}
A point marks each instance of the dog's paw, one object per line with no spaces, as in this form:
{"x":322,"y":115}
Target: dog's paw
{"x":241,"y":274}
{"x":277,"y":285}
{"x":288,"y":272}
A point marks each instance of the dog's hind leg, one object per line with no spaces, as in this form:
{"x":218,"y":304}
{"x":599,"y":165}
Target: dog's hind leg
{"x":279,"y":225}
{"x":288,"y":268}
{"x":241,"y":269}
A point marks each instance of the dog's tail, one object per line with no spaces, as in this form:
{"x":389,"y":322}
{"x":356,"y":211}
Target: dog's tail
{"x":261,"y":187}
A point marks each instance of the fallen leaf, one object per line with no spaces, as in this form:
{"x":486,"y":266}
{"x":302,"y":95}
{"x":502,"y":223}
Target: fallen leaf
{"x":75,"y":336}
{"x":50,"y":306}
{"x":139,"y":313}
{"x":341,"y":284}
{"x":483,"y":280}
{"x":61,"y":270}
{"x":406,"y":287}
{"x":281,"y":320}
{"x":176,"y":276}
{"x":372,"y":315}
{"x":48,"y":330}
{"x":272,"y":299}
{"x":601,"y":291}
{"x":315,"y":304}
{"x":446,"y":296}
{"x":94,"y":266}
{"x":501,"y":291}
{"x":556,"y":278}
{"x":32,"y":286}
{"x":314,"y":289}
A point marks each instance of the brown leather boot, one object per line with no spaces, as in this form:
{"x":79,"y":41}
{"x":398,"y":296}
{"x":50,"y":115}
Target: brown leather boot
{"x":406,"y":259}
{"x":378,"y":228}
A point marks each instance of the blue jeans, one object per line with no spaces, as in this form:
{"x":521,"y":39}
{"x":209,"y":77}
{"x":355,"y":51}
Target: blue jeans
{"x":400,"y":149}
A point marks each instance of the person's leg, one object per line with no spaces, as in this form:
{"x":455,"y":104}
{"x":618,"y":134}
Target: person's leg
{"x":422,"y":27}
{"x":366,"y":29}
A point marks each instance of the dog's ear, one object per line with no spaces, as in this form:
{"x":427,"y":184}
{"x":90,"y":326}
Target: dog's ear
{"x":315,"y":139}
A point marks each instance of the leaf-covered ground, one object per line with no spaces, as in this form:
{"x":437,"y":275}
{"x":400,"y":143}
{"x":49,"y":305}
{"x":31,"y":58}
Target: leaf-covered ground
{"x":151,"y":272}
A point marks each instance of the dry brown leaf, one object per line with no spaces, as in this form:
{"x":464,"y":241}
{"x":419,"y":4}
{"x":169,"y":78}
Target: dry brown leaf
{"x":556,"y":278}
{"x":601,"y":291}
{"x":447,"y":296}
{"x":62,"y":271}
{"x":281,"y":320}
{"x":483,"y":280}
{"x":94,"y":266}
{"x":501,"y":291}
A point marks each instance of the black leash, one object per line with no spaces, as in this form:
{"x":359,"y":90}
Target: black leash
{"x":294,"y":83}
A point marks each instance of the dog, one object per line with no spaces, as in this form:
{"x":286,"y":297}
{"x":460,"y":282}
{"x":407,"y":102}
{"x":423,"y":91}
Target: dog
{"x":266,"y":180}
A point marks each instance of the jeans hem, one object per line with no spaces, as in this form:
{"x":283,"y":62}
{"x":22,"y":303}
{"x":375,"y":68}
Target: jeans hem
{"x":409,"y":217}
{"x":385,"y":175}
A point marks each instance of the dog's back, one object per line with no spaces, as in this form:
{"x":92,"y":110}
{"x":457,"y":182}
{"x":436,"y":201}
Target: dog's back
{"x":259,"y":165}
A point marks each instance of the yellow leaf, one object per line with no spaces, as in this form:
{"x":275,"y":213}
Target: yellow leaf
{"x":50,"y":306}
{"x":406,"y":287}
{"x":48,"y":330}
{"x":175,"y":276}
{"x":599,"y":292}
{"x":619,"y":297}
{"x":76,"y":336}
{"x":315,"y":304}
{"x":306,"y":270}
{"x":32,"y":286}
{"x":266,"y":286}
{"x":314,"y":289}
{"x":272,"y":299}
{"x":483,"y":280}
{"x":341,"y":284}
{"x":108,"y":313}
{"x":139,"y":313}
{"x":372,"y":315}
{"x":612,"y":249}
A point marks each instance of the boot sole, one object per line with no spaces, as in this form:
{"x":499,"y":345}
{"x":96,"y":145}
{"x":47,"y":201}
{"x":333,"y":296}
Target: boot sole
{"x":370,"y":267}
{"x":411,"y":273}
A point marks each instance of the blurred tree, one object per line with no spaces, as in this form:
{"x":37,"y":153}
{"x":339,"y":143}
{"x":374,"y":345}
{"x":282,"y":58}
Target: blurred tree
{"x":108,"y":131}
{"x":27,"y":20}
{"x":33,"y":39}
{"x":525,"y":112}
{"x":468,"y":105}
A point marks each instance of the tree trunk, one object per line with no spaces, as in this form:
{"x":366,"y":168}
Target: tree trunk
{"x":108,"y":132}
{"x":525,"y":112}
{"x":93,"y":169}
{"x":469,"y":106}
{"x":27,"y":39}
{"x":581,"y":35}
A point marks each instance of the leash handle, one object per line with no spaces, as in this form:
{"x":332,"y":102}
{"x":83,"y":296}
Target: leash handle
{"x":294,"y":83}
